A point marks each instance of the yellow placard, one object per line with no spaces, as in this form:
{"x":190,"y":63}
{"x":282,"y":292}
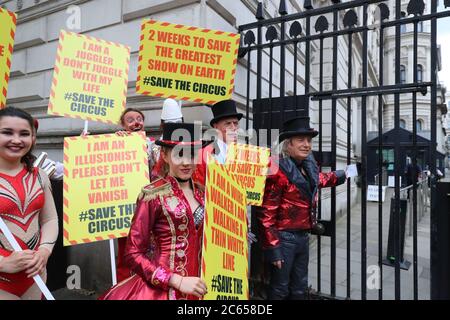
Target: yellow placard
{"x":225,"y":246}
{"x":8,"y":21}
{"x":249,"y":165}
{"x":90,"y":79}
{"x":103,"y":176}
{"x":186,"y":63}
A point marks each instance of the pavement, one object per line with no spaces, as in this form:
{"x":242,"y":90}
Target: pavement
{"x":388,"y":272}
{"x":75,"y":294}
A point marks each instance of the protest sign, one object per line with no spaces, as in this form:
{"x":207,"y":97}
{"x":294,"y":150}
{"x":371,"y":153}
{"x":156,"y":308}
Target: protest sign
{"x":225,"y":246}
{"x":249,"y":165}
{"x":8,"y":22}
{"x":391,"y":181}
{"x":103,"y":176}
{"x":351,"y":171}
{"x":186,"y":63}
{"x":90,"y":79}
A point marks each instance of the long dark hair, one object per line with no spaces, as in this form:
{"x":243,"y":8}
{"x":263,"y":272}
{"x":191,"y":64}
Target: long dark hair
{"x":28,"y":158}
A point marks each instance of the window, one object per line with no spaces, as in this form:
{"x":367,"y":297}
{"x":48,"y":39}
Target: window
{"x":420,"y":26}
{"x":419,"y":125}
{"x":402,"y":124}
{"x":403,"y":26}
{"x":388,"y":159}
{"x":402,"y":74}
{"x":419,"y":73}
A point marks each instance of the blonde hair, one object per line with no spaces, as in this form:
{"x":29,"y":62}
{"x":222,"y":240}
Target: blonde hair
{"x":284,"y":148}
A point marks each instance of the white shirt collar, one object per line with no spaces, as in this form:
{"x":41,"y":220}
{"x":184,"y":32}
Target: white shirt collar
{"x":221,"y":157}
{"x":222,"y":145}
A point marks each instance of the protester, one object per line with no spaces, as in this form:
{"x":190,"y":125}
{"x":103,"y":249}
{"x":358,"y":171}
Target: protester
{"x":171,"y":113}
{"x":226,"y":122}
{"x":165,"y":240}
{"x":132,"y":120}
{"x":288,"y":212}
{"x":27,"y":208}
{"x":412,"y":175}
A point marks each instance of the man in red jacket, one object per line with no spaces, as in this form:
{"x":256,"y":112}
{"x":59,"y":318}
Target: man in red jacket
{"x":226,"y":122}
{"x":288,"y":213}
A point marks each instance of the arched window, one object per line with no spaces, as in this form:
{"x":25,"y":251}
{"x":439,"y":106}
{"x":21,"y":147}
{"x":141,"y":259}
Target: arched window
{"x":402,"y":124}
{"x":419,"y":73}
{"x":419,"y":125}
{"x":402,"y":74}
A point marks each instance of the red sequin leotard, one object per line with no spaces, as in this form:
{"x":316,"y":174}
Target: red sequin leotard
{"x":24,"y":209}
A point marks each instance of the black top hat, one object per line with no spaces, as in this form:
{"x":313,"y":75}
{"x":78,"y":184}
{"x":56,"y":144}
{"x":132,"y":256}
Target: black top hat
{"x":183,"y":134}
{"x":298,"y":126}
{"x":224,"y":109}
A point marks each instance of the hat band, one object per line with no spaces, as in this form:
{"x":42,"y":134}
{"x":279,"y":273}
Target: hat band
{"x":175,"y":120}
{"x":181,"y":143}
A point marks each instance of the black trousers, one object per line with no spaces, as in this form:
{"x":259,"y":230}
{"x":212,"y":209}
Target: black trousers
{"x":291,"y":281}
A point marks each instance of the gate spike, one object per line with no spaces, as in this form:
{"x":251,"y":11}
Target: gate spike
{"x":249,"y":38}
{"x":350,"y":19}
{"x":308,"y":5}
{"x":416,"y":7}
{"x":271,"y":34}
{"x":295,"y":30}
{"x":259,"y":12}
{"x":282,"y":10}
{"x":384,"y":11}
{"x":321,"y":24}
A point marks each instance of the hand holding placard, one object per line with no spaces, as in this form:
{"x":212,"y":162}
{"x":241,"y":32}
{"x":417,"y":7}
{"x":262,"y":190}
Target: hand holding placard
{"x":12,"y":241}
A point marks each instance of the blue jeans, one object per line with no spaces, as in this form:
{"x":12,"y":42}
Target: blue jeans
{"x":291,"y":281}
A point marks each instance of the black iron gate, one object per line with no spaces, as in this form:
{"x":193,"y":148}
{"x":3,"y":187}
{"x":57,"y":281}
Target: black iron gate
{"x":285,"y":50}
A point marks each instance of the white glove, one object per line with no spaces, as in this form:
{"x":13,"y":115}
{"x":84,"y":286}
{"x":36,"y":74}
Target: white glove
{"x":59,"y":173}
{"x":251,"y":237}
{"x":351,"y":171}
{"x":49,"y":167}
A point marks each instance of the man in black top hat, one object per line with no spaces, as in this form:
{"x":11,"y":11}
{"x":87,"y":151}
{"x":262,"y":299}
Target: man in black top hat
{"x":226,"y":122}
{"x":288,"y":212}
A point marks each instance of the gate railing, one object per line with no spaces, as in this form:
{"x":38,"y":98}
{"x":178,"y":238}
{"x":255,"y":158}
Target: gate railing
{"x":297,"y":34}
{"x":422,"y":203}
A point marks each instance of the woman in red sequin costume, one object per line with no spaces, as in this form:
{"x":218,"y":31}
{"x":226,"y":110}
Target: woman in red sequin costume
{"x":26,"y":207}
{"x":164,"y":244}
{"x":132,"y":120}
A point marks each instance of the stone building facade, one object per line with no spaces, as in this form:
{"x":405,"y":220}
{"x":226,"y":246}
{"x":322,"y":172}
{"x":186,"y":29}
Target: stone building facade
{"x":39,"y":24}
